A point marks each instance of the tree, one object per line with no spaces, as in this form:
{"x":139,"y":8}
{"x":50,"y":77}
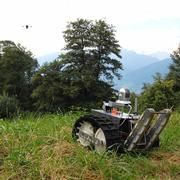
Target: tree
{"x":92,"y":45}
{"x":158,"y":95}
{"x":53,"y":91}
{"x":91,"y":59}
{"x":8,"y":106}
{"x":174,"y":68}
{"x":49,"y":88}
{"x":106,"y":50}
{"x":17,"y":66}
{"x":174,"y":74}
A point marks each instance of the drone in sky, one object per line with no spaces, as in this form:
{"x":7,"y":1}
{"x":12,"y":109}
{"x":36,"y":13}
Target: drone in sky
{"x":27,"y":26}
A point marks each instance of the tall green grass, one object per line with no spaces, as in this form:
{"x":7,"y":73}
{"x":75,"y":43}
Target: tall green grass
{"x":41,"y":147}
{"x":170,"y":137}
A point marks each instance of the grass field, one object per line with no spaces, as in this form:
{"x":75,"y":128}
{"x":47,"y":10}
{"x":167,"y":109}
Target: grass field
{"x":41,"y":147}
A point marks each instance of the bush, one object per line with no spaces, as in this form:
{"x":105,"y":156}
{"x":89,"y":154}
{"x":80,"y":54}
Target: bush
{"x":8,"y":106}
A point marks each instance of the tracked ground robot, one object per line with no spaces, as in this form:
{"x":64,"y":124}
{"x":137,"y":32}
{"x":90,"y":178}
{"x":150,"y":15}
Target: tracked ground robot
{"x":116,"y":127}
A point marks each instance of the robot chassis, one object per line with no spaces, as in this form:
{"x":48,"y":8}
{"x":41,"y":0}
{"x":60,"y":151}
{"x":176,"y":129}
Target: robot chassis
{"x":120,"y":130}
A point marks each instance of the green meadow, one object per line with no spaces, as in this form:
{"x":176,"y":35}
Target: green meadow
{"x":41,"y":147}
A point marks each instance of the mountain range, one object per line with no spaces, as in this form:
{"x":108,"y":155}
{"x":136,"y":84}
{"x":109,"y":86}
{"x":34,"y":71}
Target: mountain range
{"x":135,"y":79}
{"x":137,"y":68}
{"x":132,"y":60}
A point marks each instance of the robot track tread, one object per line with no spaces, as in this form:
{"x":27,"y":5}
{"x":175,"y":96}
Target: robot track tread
{"x":109,"y":128}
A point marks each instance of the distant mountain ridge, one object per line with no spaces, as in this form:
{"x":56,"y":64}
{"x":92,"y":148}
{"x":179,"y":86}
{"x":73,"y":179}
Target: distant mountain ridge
{"x":160,"y":55}
{"x":132,"y":60}
{"x":134,"y":80}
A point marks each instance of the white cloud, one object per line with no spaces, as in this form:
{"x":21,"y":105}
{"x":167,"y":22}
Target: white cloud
{"x":49,"y":17}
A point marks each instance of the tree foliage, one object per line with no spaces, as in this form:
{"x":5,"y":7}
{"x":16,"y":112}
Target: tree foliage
{"x":90,"y":48}
{"x":91,"y":59}
{"x":174,"y":74}
{"x":158,"y":95}
{"x":8,"y":106}
{"x":174,"y":69}
{"x":50,"y":88}
{"x":82,"y":74}
{"x":17,"y":66}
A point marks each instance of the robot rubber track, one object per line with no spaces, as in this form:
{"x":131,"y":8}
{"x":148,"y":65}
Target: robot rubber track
{"x":108,"y":126}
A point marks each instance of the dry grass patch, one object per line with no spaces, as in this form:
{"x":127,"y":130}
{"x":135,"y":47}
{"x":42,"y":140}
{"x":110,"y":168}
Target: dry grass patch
{"x":167,"y":164}
{"x":64,"y":148}
{"x":90,"y":174}
{"x":171,"y":158}
{"x":53,"y":164}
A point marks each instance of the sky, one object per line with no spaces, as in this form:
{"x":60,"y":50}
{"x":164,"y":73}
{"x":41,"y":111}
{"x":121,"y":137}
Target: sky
{"x":144,"y":26}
